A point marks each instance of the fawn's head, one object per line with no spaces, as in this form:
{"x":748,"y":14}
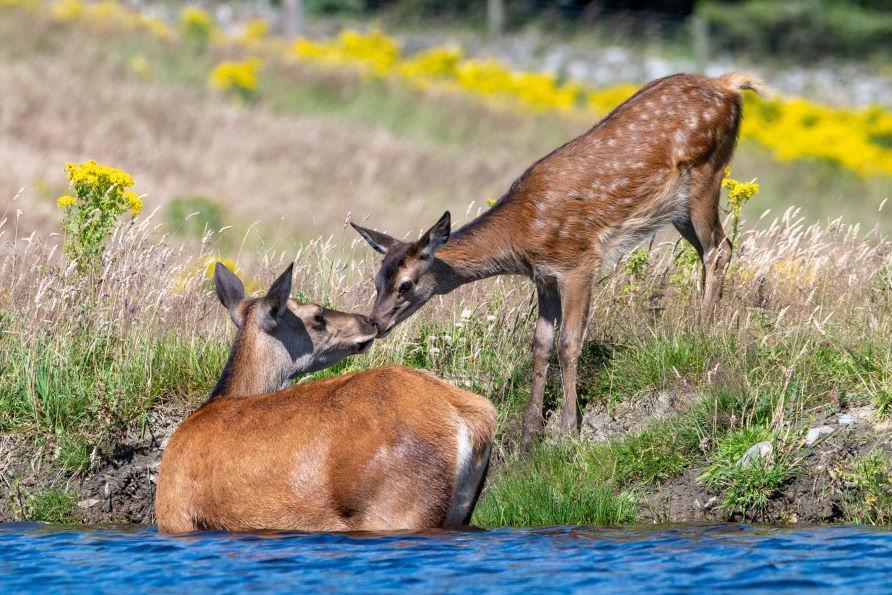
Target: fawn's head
{"x":405,"y":280}
{"x":279,"y":337}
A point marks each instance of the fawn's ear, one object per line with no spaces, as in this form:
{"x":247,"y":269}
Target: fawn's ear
{"x":435,"y":237}
{"x":230,"y":291}
{"x":276,"y":299}
{"x":380,"y":242}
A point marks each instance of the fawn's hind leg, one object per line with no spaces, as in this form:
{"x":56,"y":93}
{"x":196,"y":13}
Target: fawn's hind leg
{"x":576,"y":298}
{"x":711,"y":243}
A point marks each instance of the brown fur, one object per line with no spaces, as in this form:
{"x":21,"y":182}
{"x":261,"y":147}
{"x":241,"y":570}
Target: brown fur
{"x":373,"y":450}
{"x":656,"y":159}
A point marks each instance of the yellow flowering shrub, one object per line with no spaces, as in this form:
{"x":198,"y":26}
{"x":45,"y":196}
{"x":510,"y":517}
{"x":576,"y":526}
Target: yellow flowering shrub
{"x":110,"y":14}
{"x":797,"y":128}
{"x":237,"y":78}
{"x":201,"y":270}
{"x":434,"y":64}
{"x":373,"y":53}
{"x":254,"y":31}
{"x":601,"y":101}
{"x":31,"y":5}
{"x":156,"y":27}
{"x":196,"y":26}
{"x":738,"y":194}
{"x":860,"y":140}
{"x":101,"y":195}
{"x":66,"y":200}
{"x":67,"y":10}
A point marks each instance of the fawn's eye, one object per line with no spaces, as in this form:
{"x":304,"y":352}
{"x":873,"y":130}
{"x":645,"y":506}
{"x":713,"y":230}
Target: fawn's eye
{"x":319,"y":319}
{"x":405,"y":287}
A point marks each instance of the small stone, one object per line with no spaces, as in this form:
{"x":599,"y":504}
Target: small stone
{"x":814,"y":434}
{"x":845,"y":419}
{"x":88,"y":503}
{"x":760,"y":450}
{"x":596,"y":426}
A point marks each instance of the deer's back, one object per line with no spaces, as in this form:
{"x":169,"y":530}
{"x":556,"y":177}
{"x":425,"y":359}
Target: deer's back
{"x":370,"y":450}
{"x":627,"y":168}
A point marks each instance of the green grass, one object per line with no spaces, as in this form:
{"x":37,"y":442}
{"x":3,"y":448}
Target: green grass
{"x":81,"y":390}
{"x":193,"y":216}
{"x":560,"y":486}
{"x":870,"y":499}
{"x":746,"y":488}
{"x":51,"y":506}
{"x":594,"y":483}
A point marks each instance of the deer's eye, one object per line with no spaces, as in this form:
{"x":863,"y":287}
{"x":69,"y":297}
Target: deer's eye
{"x":319,"y":319}
{"x":405,"y":287}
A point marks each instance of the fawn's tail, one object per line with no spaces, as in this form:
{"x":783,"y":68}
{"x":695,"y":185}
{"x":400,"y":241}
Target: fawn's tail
{"x":737,"y":81}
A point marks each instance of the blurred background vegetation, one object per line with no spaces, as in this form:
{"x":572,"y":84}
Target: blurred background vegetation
{"x":786,"y":29}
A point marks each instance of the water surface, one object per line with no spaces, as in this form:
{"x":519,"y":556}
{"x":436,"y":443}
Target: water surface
{"x":555,"y":559}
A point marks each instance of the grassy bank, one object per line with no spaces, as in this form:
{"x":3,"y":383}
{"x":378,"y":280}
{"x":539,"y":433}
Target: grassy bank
{"x":803,"y":333}
{"x":802,"y":338}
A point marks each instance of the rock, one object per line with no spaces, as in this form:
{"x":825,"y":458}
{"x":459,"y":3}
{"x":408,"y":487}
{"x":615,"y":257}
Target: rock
{"x":758,"y":451}
{"x":88,"y":503}
{"x":845,"y":419}
{"x":814,"y":434}
{"x":596,"y":426}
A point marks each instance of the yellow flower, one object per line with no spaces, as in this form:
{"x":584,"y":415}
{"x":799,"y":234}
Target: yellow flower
{"x":68,"y":10}
{"x":240,"y":77}
{"x":739,"y":192}
{"x":255,"y":30}
{"x":93,"y":175}
{"x":66,"y":200}
{"x":196,"y":26}
{"x":133,"y":201}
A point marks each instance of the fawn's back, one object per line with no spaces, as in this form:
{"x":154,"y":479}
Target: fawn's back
{"x":633,"y":172}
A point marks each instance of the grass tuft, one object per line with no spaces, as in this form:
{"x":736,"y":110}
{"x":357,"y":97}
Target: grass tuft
{"x":52,"y":506}
{"x":870,"y":502}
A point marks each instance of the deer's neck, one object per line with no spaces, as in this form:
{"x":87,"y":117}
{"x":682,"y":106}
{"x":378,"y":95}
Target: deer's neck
{"x":482,"y":248}
{"x":249,"y":371}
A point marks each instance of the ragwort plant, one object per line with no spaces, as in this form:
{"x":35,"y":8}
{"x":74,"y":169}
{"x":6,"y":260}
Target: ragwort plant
{"x":101,"y":196}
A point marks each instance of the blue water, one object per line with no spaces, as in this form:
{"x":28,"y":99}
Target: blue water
{"x":37,"y":557}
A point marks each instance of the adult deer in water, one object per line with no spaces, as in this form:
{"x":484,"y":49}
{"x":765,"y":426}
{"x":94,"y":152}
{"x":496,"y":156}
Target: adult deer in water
{"x":383,"y":449}
{"x":657,"y":158}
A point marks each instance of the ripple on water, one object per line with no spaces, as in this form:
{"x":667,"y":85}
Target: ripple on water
{"x":663,"y":559}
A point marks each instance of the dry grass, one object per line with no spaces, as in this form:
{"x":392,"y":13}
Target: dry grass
{"x":295,"y":173}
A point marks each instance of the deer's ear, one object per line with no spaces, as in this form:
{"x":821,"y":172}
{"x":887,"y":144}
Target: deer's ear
{"x":380,"y":242}
{"x":277,"y":297}
{"x":230,"y":291}
{"x":435,"y":237}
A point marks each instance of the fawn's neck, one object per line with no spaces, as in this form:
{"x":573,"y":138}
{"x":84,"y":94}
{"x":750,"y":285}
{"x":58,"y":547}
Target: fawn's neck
{"x":482,"y":248}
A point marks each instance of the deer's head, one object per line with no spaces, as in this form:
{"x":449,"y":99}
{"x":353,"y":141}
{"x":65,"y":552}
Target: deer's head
{"x":279,"y":337}
{"x":406,"y":278}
